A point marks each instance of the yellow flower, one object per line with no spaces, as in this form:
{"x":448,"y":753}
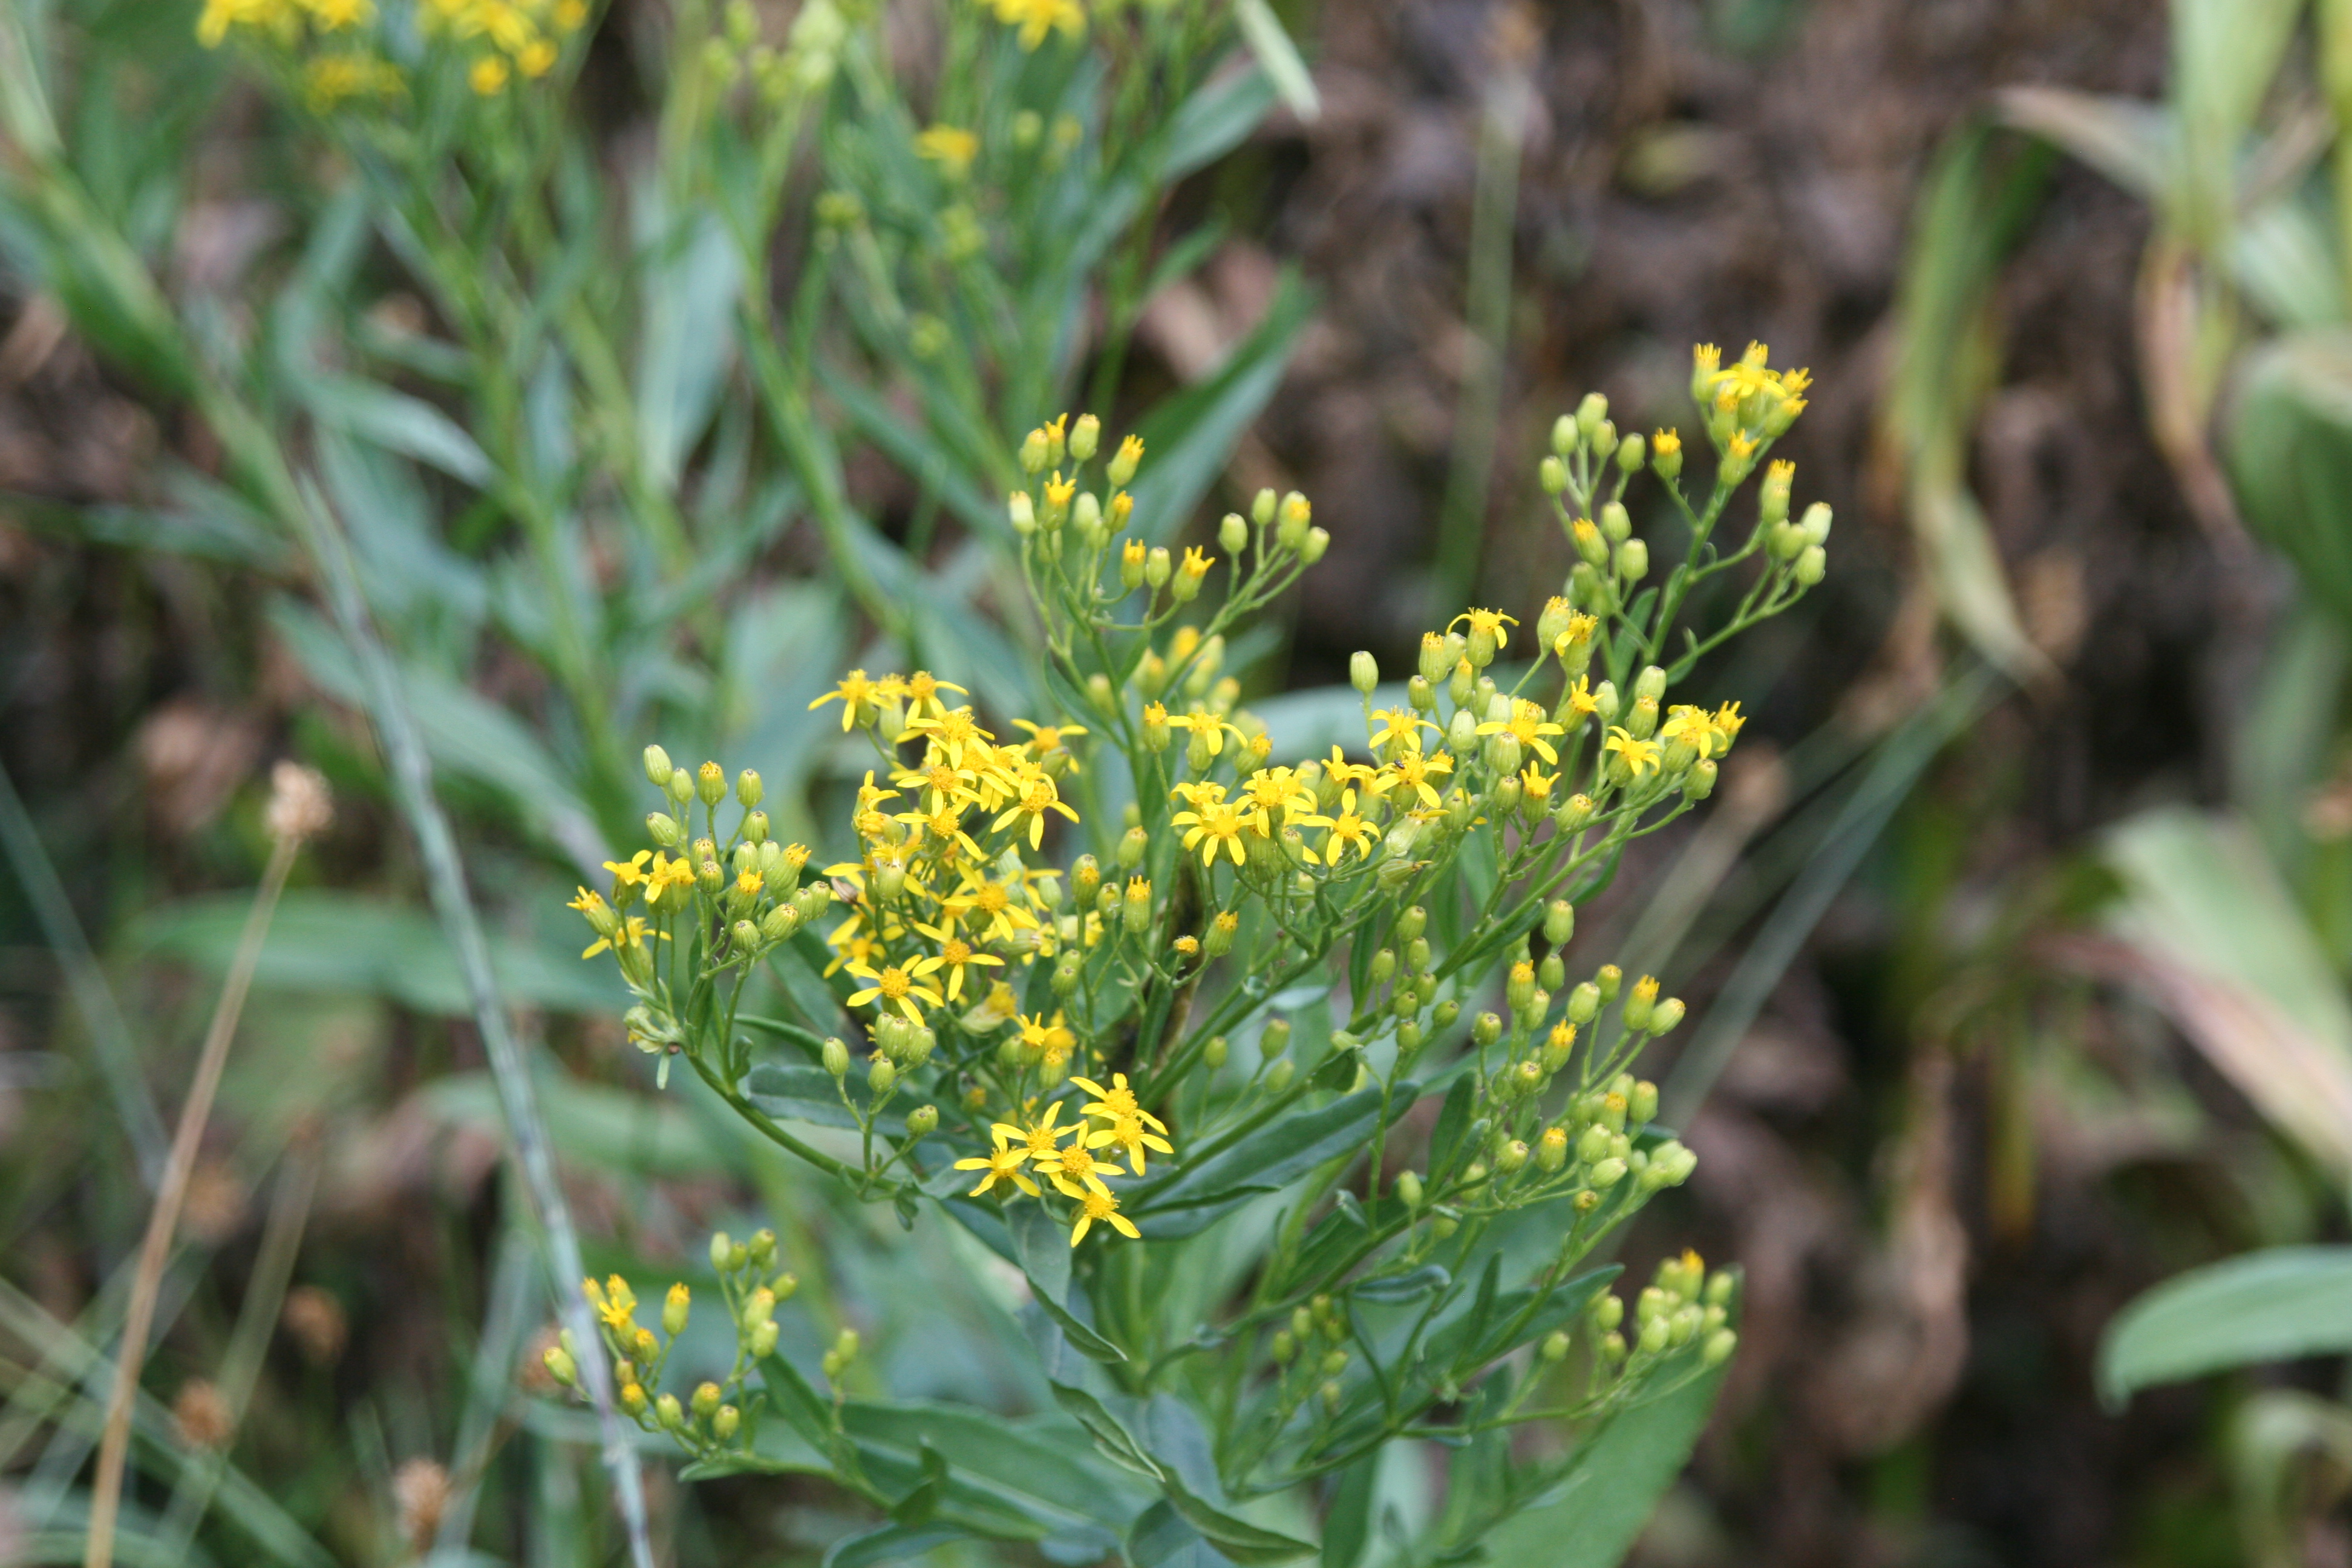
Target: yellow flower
{"x":1038,"y":796}
{"x":1054,"y":1041}
{"x":1101,"y":1206}
{"x":893,"y":986}
{"x":1204,"y":724}
{"x":1399,"y":727}
{"x":1115,"y":1102}
{"x":999,"y":916}
{"x":1578,"y":701}
{"x":922,"y":691}
{"x":667,"y":874}
{"x":1270,"y":792}
{"x":951,"y":147}
{"x":1036,"y":18}
{"x":1129,"y":1133}
{"x":488,"y":76}
{"x":1665,"y":443}
{"x":1040,"y":1141}
{"x":333,"y":15}
{"x":1002,"y":1163}
{"x":1728,"y":720}
{"x":536,"y":58}
{"x":631,"y":934}
{"x":1343,"y":830}
{"x":1044,"y":740}
{"x":1411,"y":771}
{"x":955,"y":956}
{"x":616,"y":1303}
{"x":855,"y":694}
{"x":1074,"y":1171}
{"x":1693,"y":725}
{"x":587,"y":903}
{"x":628,"y":873}
{"x":1639,"y":756}
{"x":1527,"y":726}
{"x":1215,"y":825}
{"x":1490,"y":623}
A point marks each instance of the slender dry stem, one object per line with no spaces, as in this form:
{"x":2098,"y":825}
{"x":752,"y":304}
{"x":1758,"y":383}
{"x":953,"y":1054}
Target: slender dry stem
{"x":163,"y":1221}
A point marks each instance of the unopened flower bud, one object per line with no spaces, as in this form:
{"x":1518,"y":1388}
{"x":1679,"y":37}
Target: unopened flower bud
{"x":1086,"y":436}
{"x":663,"y":829}
{"x":1120,"y":470}
{"x":922,"y":1121}
{"x":1131,"y":845}
{"x":724,"y":1425}
{"x":1409,"y":1189}
{"x":1641,"y":1105}
{"x":705,"y":1400}
{"x":1137,"y":914}
{"x":675,"y":1308}
{"x":1815,"y":523}
{"x":1633,"y":559}
{"x":1218,"y":939}
{"x":659,"y":767}
{"x":1555,"y":1346}
{"x":668,"y":1412}
{"x":1665,"y":1016}
{"x":1589,"y":412}
{"x":1279,"y":1077}
{"x":836,"y":1058}
{"x":710,"y":784}
{"x":1812,"y":566}
{"x":1285,"y":1346}
{"x":1364,"y":672}
{"x":559,"y":1366}
{"x":1214,"y":1053}
{"x":1552,"y":474}
{"x":1630,"y":455}
{"x":1607,"y":1174}
{"x":1232,"y":534}
{"x":1487,"y":1029}
{"x":1514,"y":1157}
{"x":1311,"y":548}
{"x":1293,"y":517}
{"x":1551,"y":1150}
{"x":763,"y":1340}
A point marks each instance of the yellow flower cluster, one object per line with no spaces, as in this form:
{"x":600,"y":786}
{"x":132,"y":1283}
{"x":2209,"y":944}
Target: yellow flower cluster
{"x":505,"y":37}
{"x":1118,"y":1122}
{"x":335,"y":50}
{"x":1036,"y":18}
{"x":1747,"y":403}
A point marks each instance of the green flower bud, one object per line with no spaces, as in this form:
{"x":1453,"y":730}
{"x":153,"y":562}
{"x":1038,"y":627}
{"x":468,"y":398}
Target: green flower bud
{"x":1589,"y":412}
{"x":1616,"y":526}
{"x":1513,"y":1158}
{"x":561,"y":1366}
{"x":1551,"y":1150}
{"x":1279,"y":1077}
{"x":705,"y":1400}
{"x":1291,"y":527}
{"x":1608,"y":1173}
{"x":1232,"y":534}
{"x":1718,"y":1348}
{"x":1275,"y":1038}
{"x":1447,"y":1011}
{"x":763,"y":1246}
{"x":1443,"y":1226}
{"x":1812,"y":566}
{"x":1285,"y":1346}
{"x":1551,"y":973}
{"x":1486,"y":1029}
{"x":722,"y":1248}
{"x":1261,"y":507}
{"x":1665,"y":1016}
{"x":1641,"y":1105}
{"x":836,"y":1058}
{"x":675,"y":1308}
{"x":1311,"y":548}
{"x":659,"y":767}
{"x":664,"y":830}
{"x":1086,"y":436}
{"x":763,"y":1339}
{"x":724,"y":1425}
{"x":1565,"y":435}
{"x":1214,"y":1053}
{"x":745,"y":936}
{"x":1630,"y":455}
{"x":922,"y":1121}
{"x":1816,"y":524}
{"x":1583,"y":1004}
{"x":1555,"y":1346}
{"x":710,"y":784}
{"x":749,"y":790}
{"x":1364,"y":672}
{"x":1654,"y":1336}
{"x":1552,"y":474}
{"x":669,"y":1413}
{"x":1131,"y":845}
{"x":1409,"y":1189}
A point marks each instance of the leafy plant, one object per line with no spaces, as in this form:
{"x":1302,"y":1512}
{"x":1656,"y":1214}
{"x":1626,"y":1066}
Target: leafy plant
{"x":1240,"y":1289}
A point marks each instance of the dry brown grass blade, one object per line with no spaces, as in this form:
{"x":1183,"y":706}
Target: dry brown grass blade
{"x":297,"y":809}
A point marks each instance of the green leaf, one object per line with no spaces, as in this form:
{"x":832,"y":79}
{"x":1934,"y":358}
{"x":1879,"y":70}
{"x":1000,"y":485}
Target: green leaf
{"x":1347,"y":1527}
{"x":2289,"y":447}
{"x":1116,"y":1442}
{"x":1161,"y":1538}
{"x":1044,"y":1254}
{"x":1031,"y":1478}
{"x":687,"y":342}
{"x":1269,"y":1160}
{"x":1452,"y":1123}
{"x":1407,"y":1286}
{"x":1612,"y":1485}
{"x":2276,"y":1305}
{"x":398,"y":423}
{"x":1189,"y":435}
{"x":346,"y":944}
{"x":593,"y":1124}
{"x":809,"y":1415}
{"x":922,"y":1501}
{"x":892,"y":1544}
{"x":1270,"y":42}
{"x":802,"y":1092}
{"x":1239,"y":1540}
{"x":1215,"y":120}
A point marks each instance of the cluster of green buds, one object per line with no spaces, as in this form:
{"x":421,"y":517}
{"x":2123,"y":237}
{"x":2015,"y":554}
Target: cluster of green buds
{"x":1683,"y":1305}
{"x":735,"y":57}
{"x":708,"y":1420}
{"x":1078,"y":557}
{"x":710,"y":904}
{"x":1310,"y":1355}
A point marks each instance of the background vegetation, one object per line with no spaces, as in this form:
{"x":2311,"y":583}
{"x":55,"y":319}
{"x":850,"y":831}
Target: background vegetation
{"x":2053,"y":832}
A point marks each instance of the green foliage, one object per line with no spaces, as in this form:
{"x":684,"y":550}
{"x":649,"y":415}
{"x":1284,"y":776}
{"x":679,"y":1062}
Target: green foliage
{"x":2276,"y":1305}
